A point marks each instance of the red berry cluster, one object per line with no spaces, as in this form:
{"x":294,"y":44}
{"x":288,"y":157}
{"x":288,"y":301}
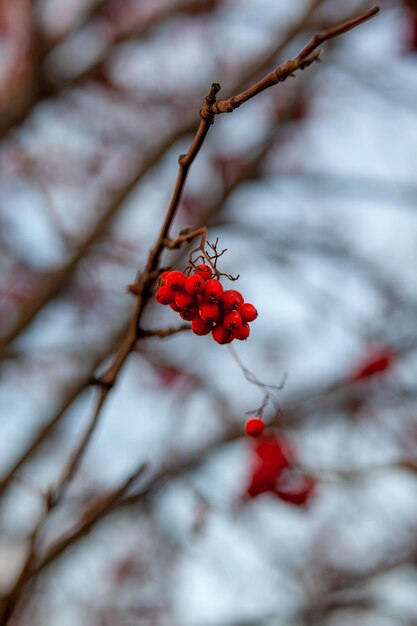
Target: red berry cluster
{"x":201,"y":299}
{"x":273,"y":471}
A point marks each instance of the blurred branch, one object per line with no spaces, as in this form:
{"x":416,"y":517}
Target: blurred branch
{"x":90,"y":516}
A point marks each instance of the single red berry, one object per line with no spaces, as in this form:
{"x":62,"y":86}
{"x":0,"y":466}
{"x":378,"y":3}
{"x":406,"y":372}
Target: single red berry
{"x":213,"y":290}
{"x":184,"y":300}
{"x":194,"y":284}
{"x":162,"y":277}
{"x":209,"y":312}
{"x":231,"y":300}
{"x":254,"y":427}
{"x":241,"y":332}
{"x":232,"y":320}
{"x":188,"y":314}
{"x":248,"y":312}
{"x":200,"y":327}
{"x":221,"y":334}
{"x":164,"y":295}
{"x":175,"y":280}
{"x":174,"y":307}
{"x":204,"y":270}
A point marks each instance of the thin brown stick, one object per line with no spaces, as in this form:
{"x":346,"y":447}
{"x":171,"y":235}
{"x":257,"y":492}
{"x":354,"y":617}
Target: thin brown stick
{"x":308,"y":55}
{"x":164,"y":332}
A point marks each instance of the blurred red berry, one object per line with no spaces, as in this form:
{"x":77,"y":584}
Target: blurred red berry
{"x":260,"y":482}
{"x":241,"y":332}
{"x":377,"y":363}
{"x":184,"y":300}
{"x":209,"y":312}
{"x":188,"y":314}
{"x":164,"y":295}
{"x":231,"y":300}
{"x":274,"y":452}
{"x":248,"y":312}
{"x":204,"y":270}
{"x":200,"y":327}
{"x":194,"y":284}
{"x":213,"y":290}
{"x":161,"y":279}
{"x":174,"y":307}
{"x":175,"y":280}
{"x":254,"y":427}
{"x":232,"y":320}
{"x":221,"y":334}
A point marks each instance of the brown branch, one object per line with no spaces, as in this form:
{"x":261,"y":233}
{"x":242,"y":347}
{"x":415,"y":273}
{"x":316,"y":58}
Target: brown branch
{"x":163,"y":332}
{"x":308,"y":55}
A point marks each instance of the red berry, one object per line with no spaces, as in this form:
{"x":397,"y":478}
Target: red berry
{"x":174,"y":307}
{"x":184,"y":300}
{"x":200,"y":327}
{"x":248,"y":312}
{"x":254,"y":427}
{"x":209,"y":312}
{"x":213,"y":290}
{"x":175,"y":280}
{"x":194,"y":284}
{"x":221,"y":334}
{"x":161,"y":279}
{"x":188,"y":315}
{"x":242,"y":332}
{"x":231,"y":300}
{"x":204,"y":270}
{"x":165,"y":295}
{"x":232,"y":320}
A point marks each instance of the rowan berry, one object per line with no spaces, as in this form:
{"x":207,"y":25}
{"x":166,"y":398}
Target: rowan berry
{"x":200,"y":327}
{"x":254,"y":427}
{"x":184,"y":300}
{"x":162,"y":278}
{"x":232,"y":320}
{"x":188,"y":314}
{"x":194,"y":284}
{"x":231,"y":300}
{"x":213,"y":290}
{"x":174,"y":307}
{"x":209,"y":312}
{"x":204,"y":270}
{"x":248,"y":312}
{"x":241,"y":332}
{"x":164,"y":295}
{"x":221,"y":334}
{"x":175,"y":280}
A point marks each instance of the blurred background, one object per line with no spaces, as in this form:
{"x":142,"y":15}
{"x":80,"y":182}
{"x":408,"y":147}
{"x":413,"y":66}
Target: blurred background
{"x":311,"y":187}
